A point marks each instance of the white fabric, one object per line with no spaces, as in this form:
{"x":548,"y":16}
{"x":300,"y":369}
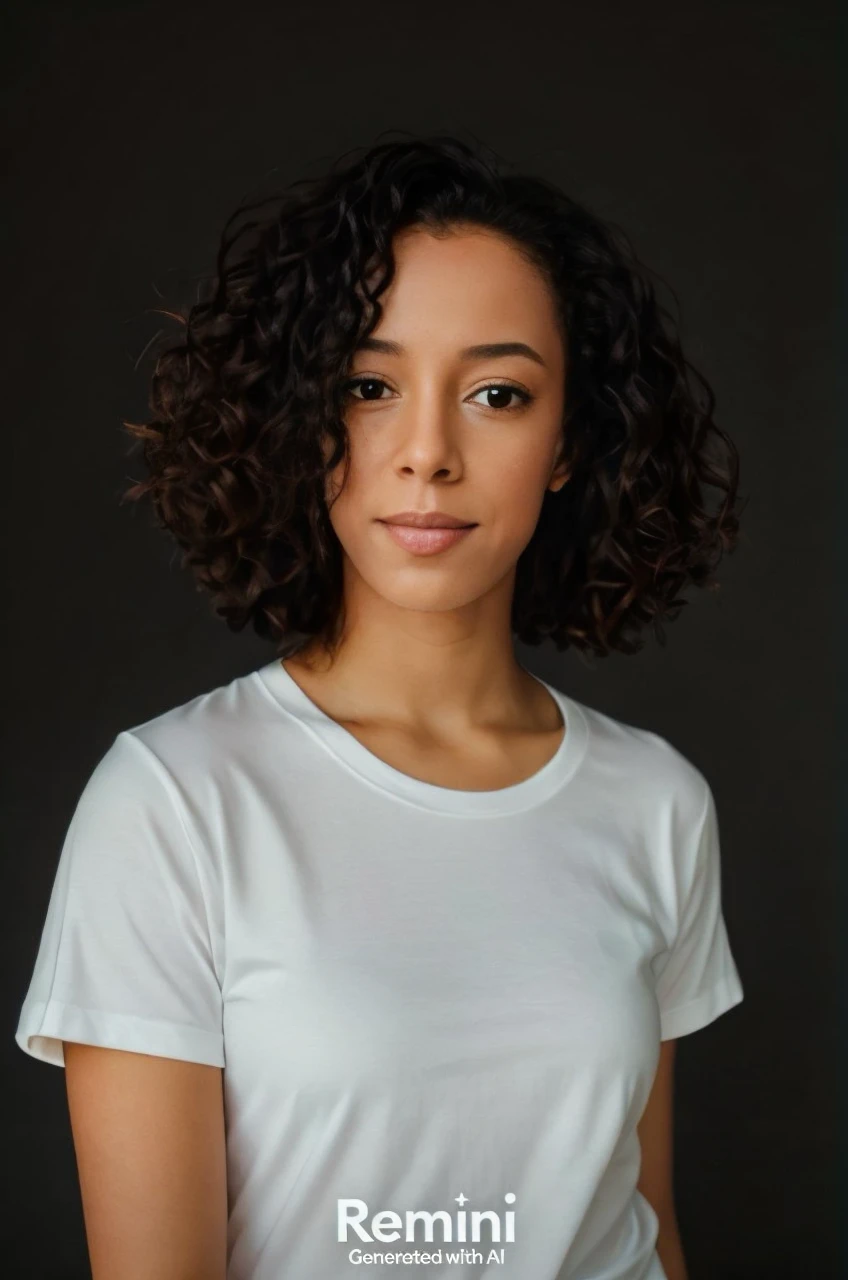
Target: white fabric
{"x":419,"y":994}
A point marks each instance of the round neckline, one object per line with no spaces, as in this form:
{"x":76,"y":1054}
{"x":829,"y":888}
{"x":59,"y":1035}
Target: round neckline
{"x":346,"y":748}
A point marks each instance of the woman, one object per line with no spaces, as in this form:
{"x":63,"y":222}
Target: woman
{"x":440,"y":922}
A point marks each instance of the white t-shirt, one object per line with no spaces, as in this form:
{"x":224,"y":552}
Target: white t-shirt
{"x":425,"y":999}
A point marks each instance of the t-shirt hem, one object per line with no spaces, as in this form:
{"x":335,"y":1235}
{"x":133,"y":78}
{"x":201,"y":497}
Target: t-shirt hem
{"x":705,"y":1008}
{"x":43,"y":1026}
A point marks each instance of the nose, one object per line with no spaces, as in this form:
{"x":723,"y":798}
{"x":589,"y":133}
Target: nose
{"x":428,"y":441}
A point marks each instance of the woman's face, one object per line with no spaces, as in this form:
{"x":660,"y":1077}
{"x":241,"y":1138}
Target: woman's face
{"x":434,"y":426}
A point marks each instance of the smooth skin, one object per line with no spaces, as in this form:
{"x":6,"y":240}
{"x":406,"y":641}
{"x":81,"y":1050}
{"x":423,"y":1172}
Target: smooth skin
{"x":151,"y":1157}
{"x":425,"y":677}
{"x":656,"y":1137}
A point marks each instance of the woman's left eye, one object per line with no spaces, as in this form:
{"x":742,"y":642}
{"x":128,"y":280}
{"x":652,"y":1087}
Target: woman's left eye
{"x":501,"y":390}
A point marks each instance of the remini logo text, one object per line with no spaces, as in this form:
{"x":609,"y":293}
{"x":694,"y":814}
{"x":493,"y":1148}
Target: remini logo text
{"x":423,"y":1226}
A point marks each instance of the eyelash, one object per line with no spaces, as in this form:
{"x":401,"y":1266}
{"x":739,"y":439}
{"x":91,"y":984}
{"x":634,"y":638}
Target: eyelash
{"x":525,"y":396}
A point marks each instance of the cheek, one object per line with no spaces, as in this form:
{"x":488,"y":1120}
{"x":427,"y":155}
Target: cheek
{"x":360,"y":495}
{"x":348,"y":506}
{"x":332,"y":488}
{"x":514,"y":495}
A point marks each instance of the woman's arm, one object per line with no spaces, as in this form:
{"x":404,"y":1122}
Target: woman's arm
{"x":150,"y":1147}
{"x":656,"y":1182}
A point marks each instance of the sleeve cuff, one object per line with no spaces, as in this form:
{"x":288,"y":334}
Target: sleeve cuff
{"x":42,"y":1028}
{"x":705,"y":1008}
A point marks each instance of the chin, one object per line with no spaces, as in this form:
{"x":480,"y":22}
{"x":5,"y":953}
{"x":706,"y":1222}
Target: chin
{"x":427,"y":592}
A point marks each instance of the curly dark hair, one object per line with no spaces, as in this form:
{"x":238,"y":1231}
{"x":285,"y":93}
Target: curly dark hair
{"x":245,"y":396}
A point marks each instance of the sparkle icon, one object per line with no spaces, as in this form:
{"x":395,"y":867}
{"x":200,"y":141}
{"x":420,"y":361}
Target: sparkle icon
{"x":460,"y":1199}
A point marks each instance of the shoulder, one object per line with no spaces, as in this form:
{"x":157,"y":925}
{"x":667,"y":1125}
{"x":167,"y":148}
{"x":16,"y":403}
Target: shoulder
{"x":170,"y":784}
{"x":207,"y":734}
{"x":190,"y":758}
{"x":640,"y":767}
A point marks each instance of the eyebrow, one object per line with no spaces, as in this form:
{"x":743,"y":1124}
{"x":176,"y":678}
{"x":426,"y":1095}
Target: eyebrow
{"x":482,"y":351}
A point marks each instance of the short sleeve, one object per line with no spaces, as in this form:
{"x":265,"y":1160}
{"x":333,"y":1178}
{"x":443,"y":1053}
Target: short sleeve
{"x":126,"y":957}
{"x":696,"y":978}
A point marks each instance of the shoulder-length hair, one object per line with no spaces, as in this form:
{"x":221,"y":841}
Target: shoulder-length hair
{"x":242,"y":400}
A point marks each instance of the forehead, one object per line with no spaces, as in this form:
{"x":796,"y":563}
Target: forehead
{"x":463,"y":287}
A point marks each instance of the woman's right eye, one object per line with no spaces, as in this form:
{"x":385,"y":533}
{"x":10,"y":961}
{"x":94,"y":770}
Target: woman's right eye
{"x":366,"y":383}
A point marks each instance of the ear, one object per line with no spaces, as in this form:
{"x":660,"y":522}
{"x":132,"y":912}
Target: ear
{"x":559,"y":476}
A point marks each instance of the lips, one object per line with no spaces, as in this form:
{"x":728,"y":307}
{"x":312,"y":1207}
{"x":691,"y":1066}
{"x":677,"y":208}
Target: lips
{"x":427,"y":539}
{"x":428,"y":520}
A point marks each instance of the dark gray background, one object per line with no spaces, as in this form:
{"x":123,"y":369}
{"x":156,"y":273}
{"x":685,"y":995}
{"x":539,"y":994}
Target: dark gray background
{"x":707,"y":130}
